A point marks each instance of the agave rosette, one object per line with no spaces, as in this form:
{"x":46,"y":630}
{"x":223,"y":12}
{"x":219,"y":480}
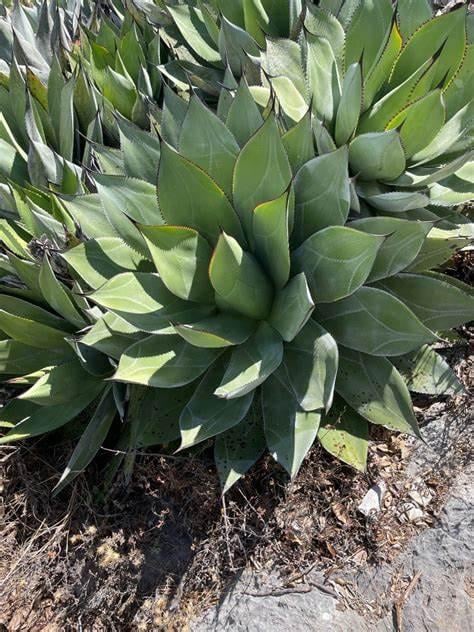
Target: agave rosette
{"x":391,"y":81}
{"x":59,"y":99}
{"x":279,"y":289}
{"x":262,"y":320}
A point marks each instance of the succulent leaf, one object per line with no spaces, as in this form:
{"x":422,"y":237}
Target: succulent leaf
{"x":345,"y":434}
{"x":404,"y":241}
{"x":91,"y":440}
{"x":164,"y":362}
{"x":289,"y":430}
{"x":207,"y":415}
{"x":97,"y":260}
{"x":182,"y":259}
{"x":437,"y":303}
{"x":251,"y":363}
{"x":237,"y":449}
{"x":143,"y":300}
{"x":270,"y":233}
{"x":426,"y":371}
{"x":292,"y":307}
{"x":189,"y":197}
{"x":310,"y":365}
{"x":374,"y":321}
{"x":348,"y":110}
{"x":206,"y":141}
{"x":354,"y":251}
{"x":239,"y":280}
{"x":377,"y":156}
{"x":262,"y":172}
{"x":221,"y":330}
{"x":322,"y":194}
{"x":375,"y":389}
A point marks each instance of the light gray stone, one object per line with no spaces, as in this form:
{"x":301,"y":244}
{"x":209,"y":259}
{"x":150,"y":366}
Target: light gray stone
{"x":439,"y":602}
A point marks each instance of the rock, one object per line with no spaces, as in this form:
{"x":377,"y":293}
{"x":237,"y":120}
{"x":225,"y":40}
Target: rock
{"x":413,"y":513}
{"x":440,"y":560}
{"x":295,"y":612}
{"x":422,"y":498}
{"x":372,"y":501}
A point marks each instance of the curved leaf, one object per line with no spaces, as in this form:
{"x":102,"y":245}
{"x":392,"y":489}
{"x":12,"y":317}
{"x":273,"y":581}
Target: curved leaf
{"x":238,"y":280}
{"x":270,"y":233}
{"x":153,"y":414}
{"x":221,"y":330}
{"x":163,"y":362}
{"x":376,"y":390}
{"x":111,"y":335}
{"x":425,"y":371}
{"x":322,"y":194}
{"x":430,"y":40}
{"x":437,"y":303}
{"x":98,"y":260}
{"x":251,"y":363}
{"x":323,"y":77}
{"x":377,"y":156}
{"x":17,"y":358}
{"x":345,"y":434}
{"x":404,"y":242}
{"x":61,"y":384}
{"x":135,"y":198}
{"x":298,"y":142}
{"x":243,"y":118}
{"x":189,"y":197}
{"x":58,"y":296}
{"x":336,"y":261}
{"x":375,"y":322}
{"x":91,"y":440}
{"x":438,"y":248}
{"x":348,"y":111}
{"x":292,"y":307}
{"x":141,"y":151}
{"x":289,"y":431}
{"x":192,"y":27}
{"x":207,"y":141}
{"x":421,"y":122}
{"x":411,"y":14}
{"x":310,"y":364}
{"x":237,"y":449}
{"x":144,"y":301}
{"x":206,"y":415}
{"x":182,"y":258}
{"x":43,"y":419}
{"x":262,"y":172}
{"x":368,"y":31}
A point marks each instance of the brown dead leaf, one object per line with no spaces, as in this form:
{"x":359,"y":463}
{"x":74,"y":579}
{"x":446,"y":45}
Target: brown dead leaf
{"x":340,"y":512}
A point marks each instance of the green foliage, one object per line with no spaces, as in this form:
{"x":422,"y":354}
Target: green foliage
{"x":227,"y":222}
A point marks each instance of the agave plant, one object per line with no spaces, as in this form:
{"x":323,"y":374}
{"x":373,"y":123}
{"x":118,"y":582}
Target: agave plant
{"x":59,"y":100}
{"x":260,"y":277}
{"x":123,"y":63}
{"x":39,"y":101}
{"x":259,"y":320}
{"x":40,"y":352}
{"x":396,"y":87}
{"x":391,"y":81}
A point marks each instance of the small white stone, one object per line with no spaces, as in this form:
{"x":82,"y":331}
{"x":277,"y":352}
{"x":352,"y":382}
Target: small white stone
{"x":372,"y":501}
{"x":415,"y":513}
